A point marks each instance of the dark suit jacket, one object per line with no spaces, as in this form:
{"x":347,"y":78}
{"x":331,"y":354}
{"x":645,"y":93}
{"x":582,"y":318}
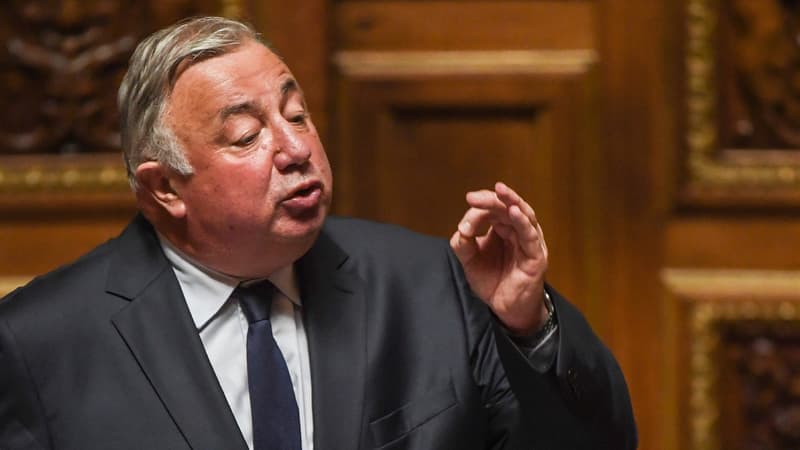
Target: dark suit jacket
{"x":103,"y":354}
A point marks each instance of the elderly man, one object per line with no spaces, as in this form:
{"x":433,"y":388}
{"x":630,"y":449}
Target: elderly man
{"x":232,"y":313}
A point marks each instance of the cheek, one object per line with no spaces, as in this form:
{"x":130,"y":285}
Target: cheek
{"x":252,"y":172}
{"x":234,"y":185}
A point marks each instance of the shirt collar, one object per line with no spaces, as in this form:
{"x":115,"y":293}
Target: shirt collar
{"x":206,"y":290}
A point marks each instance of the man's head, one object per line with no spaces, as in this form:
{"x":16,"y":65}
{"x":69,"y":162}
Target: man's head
{"x":154,"y":67}
{"x":220,"y":149}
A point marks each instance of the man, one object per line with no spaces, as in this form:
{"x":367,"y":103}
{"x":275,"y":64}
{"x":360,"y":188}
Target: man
{"x":377,"y":337}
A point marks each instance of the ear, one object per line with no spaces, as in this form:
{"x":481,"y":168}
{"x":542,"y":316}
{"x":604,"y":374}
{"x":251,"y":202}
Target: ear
{"x":156,"y":188}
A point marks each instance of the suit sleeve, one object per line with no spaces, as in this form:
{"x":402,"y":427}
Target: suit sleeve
{"x":581,"y":403}
{"x":588,"y":404}
{"x":21,"y":418}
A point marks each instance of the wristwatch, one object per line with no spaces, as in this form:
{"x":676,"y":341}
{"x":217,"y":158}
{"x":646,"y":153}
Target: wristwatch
{"x":533,"y":341}
{"x":549,"y":323}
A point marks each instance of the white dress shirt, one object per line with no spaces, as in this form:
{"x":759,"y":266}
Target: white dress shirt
{"x":223,"y":330}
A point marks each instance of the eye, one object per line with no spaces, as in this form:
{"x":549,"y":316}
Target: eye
{"x":247,"y":140}
{"x":299,"y":118}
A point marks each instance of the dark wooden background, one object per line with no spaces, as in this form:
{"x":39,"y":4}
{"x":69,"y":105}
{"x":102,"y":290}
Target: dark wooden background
{"x":658,"y":142}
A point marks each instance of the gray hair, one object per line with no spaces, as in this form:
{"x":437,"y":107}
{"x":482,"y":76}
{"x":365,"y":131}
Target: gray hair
{"x":154,"y":67}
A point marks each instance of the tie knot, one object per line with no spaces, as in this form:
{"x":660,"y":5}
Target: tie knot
{"x":255,"y":300}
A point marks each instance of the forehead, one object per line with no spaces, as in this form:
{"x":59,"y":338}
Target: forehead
{"x":252,"y":70}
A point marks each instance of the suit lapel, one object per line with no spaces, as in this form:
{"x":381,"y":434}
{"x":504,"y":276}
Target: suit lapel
{"x":335,"y":317}
{"x":159,"y":332}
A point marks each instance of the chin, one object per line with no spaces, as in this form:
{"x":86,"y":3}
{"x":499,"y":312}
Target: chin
{"x":300,"y":228}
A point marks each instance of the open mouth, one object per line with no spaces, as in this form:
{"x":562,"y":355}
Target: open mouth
{"x":304,"y":199}
{"x":306,"y":191}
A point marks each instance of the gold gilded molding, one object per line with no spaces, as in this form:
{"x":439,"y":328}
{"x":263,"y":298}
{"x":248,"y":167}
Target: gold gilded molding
{"x":9,"y":283}
{"x":712,"y":297}
{"x":500,"y":62}
{"x":72,"y":174}
{"x":711,"y":283}
{"x":710,"y":172}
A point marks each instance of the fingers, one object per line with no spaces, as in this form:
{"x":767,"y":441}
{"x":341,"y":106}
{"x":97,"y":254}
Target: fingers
{"x":508,"y":214}
{"x":476,"y":221}
{"x":509,"y":197}
{"x":484,"y":199}
{"x":499,"y":202}
{"x":529,"y":238}
{"x":500,"y":199}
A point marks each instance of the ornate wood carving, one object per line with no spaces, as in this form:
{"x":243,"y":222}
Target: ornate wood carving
{"x":741,"y":332}
{"x":762,"y":358}
{"x":60,"y":66}
{"x":742,"y":107}
{"x":760,"y":72}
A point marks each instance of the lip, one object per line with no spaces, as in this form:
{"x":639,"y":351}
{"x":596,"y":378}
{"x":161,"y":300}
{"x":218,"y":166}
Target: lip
{"x":303,"y":197}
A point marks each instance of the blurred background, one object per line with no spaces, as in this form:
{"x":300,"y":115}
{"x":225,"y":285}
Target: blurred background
{"x":658,"y":141}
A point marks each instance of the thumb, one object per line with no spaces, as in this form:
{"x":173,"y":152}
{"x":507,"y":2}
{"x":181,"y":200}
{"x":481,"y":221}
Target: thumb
{"x":464,"y":247}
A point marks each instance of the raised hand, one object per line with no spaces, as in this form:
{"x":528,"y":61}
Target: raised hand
{"x":501,"y":247}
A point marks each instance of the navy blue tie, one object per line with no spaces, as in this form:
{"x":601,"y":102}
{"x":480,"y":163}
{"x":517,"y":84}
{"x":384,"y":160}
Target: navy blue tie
{"x":276,"y":420}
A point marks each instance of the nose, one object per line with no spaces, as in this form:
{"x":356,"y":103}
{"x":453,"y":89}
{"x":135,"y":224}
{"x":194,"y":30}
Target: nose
{"x":291,"y":151}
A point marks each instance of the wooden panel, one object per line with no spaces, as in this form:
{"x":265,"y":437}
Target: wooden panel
{"x":420,"y":145}
{"x":738,"y":352}
{"x":730,"y":332}
{"x":746,"y":242}
{"x":742,"y":115}
{"x":32,"y":247}
{"x":299,"y":33}
{"x":641,"y":69}
{"x":464,"y":25}
{"x":409,"y":147}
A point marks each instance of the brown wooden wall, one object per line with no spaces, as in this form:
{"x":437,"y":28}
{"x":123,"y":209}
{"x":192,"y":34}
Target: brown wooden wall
{"x":658,"y":142}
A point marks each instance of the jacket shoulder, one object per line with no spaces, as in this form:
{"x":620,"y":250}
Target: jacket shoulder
{"x":359,"y":235}
{"x":390,"y":252}
{"x":40,"y":294}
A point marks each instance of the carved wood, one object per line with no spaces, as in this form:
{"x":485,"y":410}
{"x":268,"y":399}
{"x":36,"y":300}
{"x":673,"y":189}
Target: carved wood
{"x":760,"y":388}
{"x":759,"y":74}
{"x":61,"y":63}
{"x":739,"y":347}
{"x":741,"y":103}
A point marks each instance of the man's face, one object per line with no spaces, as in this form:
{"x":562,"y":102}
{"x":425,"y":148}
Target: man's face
{"x":262,"y":183}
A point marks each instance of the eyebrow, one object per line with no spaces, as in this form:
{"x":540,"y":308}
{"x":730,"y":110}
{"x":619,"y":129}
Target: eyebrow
{"x":248,"y":107}
{"x":239,"y":108}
